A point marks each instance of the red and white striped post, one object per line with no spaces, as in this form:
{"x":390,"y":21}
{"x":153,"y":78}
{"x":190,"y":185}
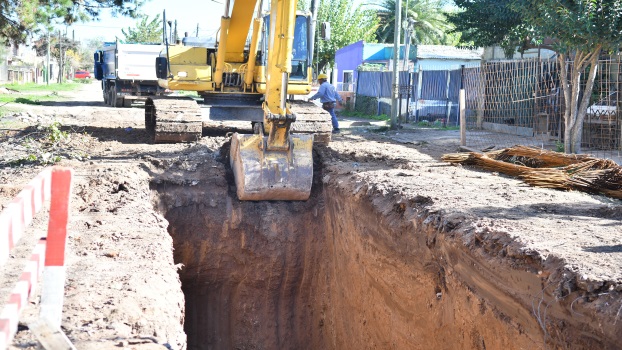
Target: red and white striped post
{"x":53,"y":290}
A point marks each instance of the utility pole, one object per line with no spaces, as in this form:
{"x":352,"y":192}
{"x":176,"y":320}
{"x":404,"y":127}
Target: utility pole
{"x":47,"y":63}
{"x":197,"y":31}
{"x":60,"y":59}
{"x":396,"y":58}
{"x":175,"y":37}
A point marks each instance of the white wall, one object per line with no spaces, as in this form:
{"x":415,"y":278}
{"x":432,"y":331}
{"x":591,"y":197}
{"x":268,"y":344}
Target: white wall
{"x":437,"y":64}
{"x":496,"y":53}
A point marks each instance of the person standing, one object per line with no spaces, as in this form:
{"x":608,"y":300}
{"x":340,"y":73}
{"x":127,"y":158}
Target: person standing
{"x":328,"y":96}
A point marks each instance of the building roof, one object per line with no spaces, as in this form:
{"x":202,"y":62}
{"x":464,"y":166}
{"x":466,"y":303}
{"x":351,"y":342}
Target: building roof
{"x":448,"y":52}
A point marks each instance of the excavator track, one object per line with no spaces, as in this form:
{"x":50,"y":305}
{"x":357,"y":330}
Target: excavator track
{"x":171,"y":120}
{"x":311,"y":119}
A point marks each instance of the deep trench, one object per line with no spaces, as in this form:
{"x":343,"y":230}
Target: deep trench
{"x":333,"y":272}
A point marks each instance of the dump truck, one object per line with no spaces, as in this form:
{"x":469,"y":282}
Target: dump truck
{"x":127,"y":72}
{"x":254,"y":82}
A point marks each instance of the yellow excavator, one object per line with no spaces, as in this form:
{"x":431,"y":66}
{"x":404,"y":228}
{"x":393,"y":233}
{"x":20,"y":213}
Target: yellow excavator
{"x":249,"y":80}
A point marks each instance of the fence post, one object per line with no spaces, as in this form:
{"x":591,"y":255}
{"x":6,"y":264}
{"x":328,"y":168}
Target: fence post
{"x":462,"y":104}
{"x":447,"y":101}
{"x":418,"y":93}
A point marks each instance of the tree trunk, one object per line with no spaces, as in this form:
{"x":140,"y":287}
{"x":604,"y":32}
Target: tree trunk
{"x":575,"y":110}
{"x":567,"y":98}
{"x":577,"y":131}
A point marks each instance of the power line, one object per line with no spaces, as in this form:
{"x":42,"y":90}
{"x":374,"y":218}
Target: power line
{"x":95,"y":26}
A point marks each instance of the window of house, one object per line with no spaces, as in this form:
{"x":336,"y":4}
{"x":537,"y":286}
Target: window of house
{"x":348,"y":80}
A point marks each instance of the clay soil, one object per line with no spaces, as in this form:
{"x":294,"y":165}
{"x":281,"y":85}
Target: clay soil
{"x":394,"y":249}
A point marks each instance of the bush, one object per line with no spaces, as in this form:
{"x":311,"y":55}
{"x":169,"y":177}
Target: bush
{"x":366,"y":105}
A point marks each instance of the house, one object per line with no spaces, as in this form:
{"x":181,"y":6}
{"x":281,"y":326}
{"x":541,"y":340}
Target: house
{"x":380,"y":57}
{"x":19,"y":64}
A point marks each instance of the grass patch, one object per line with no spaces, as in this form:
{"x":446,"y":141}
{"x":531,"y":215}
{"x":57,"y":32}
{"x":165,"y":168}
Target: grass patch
{"x":381,"y":129}
{"x":32,"y":87}
{"x":28,"y":99}
{"x":437,"y":125}
{"x":356,"y":114}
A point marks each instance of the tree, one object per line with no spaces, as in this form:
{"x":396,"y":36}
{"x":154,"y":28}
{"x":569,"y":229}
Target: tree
{"x":581,"y":30}
{"x":431,"y":25}
{"x":488,"y":23}
{"x":349,"y":24}
{"x":58,"y":46}
{"x":86,"y":50}
{"x":145,"y":32}
{"x":20,"y":18}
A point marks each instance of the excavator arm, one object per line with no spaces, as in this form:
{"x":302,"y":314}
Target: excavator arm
{"x":248,"y":82}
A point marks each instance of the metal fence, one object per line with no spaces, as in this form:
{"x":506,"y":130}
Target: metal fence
{"x":508,"y":103}
{"x":521,"y":102}
{"x":374,"y":90}
{"x":426,"y":95}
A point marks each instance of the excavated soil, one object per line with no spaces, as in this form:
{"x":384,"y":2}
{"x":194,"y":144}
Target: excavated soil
{"x":394,"y":250}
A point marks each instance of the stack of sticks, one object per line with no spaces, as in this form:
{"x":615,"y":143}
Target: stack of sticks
{"x":549,"y":169}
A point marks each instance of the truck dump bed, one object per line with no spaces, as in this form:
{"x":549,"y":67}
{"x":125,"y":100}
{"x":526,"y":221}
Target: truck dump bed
{"x":135,"y":61}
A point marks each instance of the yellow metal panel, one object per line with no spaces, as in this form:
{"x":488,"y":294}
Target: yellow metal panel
{"x":292,"y":89}
{"x":190,"y":85}
{"x":187,"y":55}
{"x":192,"y":72}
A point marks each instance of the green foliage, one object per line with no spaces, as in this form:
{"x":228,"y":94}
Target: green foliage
{"x":490,"y":22}
{"x":371,"y":67}
{"x":579,"y":30}
{"x":579,"y":25}
{"x":32,"y":87}
{"x":575,"y":25}
{"x":85,"y":52}
{"x":34,"y":94}
{"x":349,"y":24}
{"x":48,"y":145}
{"x":431,"y":25}
{"x":366,"y":105}
{"x":21,"y":18}
{"x":437,"y":124}
{"x":362,"y":115}
{"x":146,"y":31}
{"x":27,"y":101}
{"x":381,"y":129}
{"x":559,"y":147}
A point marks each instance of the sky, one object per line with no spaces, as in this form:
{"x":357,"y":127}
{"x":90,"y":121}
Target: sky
{"x":188,"y":13}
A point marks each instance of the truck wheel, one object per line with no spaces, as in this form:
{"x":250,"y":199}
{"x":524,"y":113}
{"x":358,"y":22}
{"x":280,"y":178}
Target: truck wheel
{"x":119,"y":102}
{"x":113,"y":100}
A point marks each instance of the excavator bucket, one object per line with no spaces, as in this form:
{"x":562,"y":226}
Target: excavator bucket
{"x":272,"y":175}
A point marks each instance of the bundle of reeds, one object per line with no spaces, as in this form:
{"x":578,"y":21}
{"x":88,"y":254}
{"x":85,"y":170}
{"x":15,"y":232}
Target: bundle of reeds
{"x":549,"y":169}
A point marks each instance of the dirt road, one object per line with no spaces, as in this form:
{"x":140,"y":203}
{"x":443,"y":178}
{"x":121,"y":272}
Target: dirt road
{"x":395,"y":249}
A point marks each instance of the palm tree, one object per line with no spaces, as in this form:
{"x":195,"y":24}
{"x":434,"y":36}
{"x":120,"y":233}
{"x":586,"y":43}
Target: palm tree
{"x":431,"y":26}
